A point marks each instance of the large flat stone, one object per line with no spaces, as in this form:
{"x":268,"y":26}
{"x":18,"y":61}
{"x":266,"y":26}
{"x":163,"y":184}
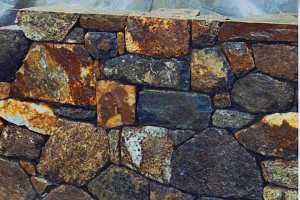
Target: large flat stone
{"x":68,"y":192}
{"x":63,"y":73}
{"x":210,"y":165}
{"x":159,"y":37}
{"x":174,"y":109}
{"x":260,"y":93}
{"x":135,"y":69}
{"x":275,"y":135}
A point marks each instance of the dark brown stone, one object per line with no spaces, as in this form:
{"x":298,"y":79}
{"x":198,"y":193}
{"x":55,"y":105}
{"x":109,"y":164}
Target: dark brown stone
{"x":279,"y":193}
{"x":157,"y":36}
{"x":75,"y":113}
{"x":204,"y":32}
{"x":280,"y":61}
{"x":20,"y":142}
{"x":68,"y":192}
{"x":28,"y":167}
{"x":4,"y":90}
{"x":159,"y":192}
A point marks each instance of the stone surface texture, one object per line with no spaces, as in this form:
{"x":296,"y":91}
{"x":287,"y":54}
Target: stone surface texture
{"x":68,"y":192}
{"x":75,"y":36}
{"x":4,"y":90}
{"x":204,"y":32}
{"x":28,"y":167}
{"x":222,"y":100}
{"x":159,"y":192}
{"x":75,"y":113}
{"x":277,"y":193}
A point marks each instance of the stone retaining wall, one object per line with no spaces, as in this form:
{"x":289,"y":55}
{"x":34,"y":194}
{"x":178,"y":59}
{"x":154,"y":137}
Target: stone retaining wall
{"x":147,"y":106}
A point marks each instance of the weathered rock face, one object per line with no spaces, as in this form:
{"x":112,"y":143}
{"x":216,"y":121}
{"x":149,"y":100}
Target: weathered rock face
{"x":39,"y":184}
{"x":231,"y":119}
{"x":239,"y":56}
{"x":13,"y":42}
{"x":74,"y":153}
{"x":119,"y":183}
{"x":101,"y":45}
{"x":28,"y":167}
{"x":63,"y":73}
{"x":20,"y":142}
{"x":277,"y":193}
{"x":75,"y":113}
{"x":68,"y":192}
{"x":36,"y":117}
{"x":204,"y":32}
{"x":174,"y":109}
{"x":4,"y":90}
{"x":169,"y":73}
{"x":210,"y":163}
{"x":148,"y":149}
{"x":157,"y":36}
{"x":75,"y":36}
{"x":260,"y":93}
{"x":159,"y":192}
{"x":281,"y":172}
{"x":14,"y":183}
{"x":258,"y":32}
{"x":210,"y":70}
{"x":222,"y":100}
{"x":275,"y":135}
{"x":46,"y":26}
{"x":115,"y":104}
{"x":280,"y":61}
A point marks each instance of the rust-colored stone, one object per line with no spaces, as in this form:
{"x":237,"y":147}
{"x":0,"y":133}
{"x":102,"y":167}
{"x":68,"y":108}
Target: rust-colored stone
{"x":4,"y":90}
{"x":62,"y":73}
{"x":39,"y":184}
{"x":28,"y":167}
{"x":279,"y":61}
{"x":258,"y":31}
{"x":36,"y":117}
{"x":157,"y":36}
{"x":115,"y":104}
{"x":74,"y":153}
{"x":121,"y":43}
{"x":204,"y":32}
{"x":239,"y":56}
{"x":274,"y":135}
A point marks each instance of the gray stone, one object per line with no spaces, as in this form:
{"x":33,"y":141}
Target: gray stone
{"x":117,"y":183}
{"x":20,"y":142}
{"x":75,"y":113}
{"x":214,"y":164}
{"x":180,"y":136}
{"x":174,"y":109}
{"x":101,"y":45}
{"x":76,"y":36}
{"x":231,"y":119}
{"x":14,"y":46}
{"x":260,"y":93}
{"x":135,"y":69}
{"x":160,"y":192}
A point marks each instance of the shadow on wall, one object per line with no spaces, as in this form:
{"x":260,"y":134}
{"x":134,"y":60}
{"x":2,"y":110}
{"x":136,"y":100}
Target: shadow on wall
{"x":241,"y":8}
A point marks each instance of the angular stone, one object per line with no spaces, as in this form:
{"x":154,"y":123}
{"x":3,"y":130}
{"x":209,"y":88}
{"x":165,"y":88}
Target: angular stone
{"x":20,"y":142}
{"x":281,"y":172}
{"x":105,"y":22}
{"x":158,"y":37}
{"x":46,"y":26}
{"x":258,"y":32}
{"x":101,"y":45}
{"x":115,"y":104}
{"x":277,"y":193}
{"x":210,"y":70}
{"x":261,"y":93}
{"x":174,"y":109}
{"x":159,"y":192}
{"x":239,"y":56}
{"x":231,"y":119}
{"x":36,"y":117}
{"x":210,"y":165}
{"x":135,"y":69}
{"x":74,"y":153}
{"x":68,"y":192}
{"x":75,"y":113}
{"x":114,"y":136}
{"x":4,"y":90}
{"x":147,"y":149}
{"x":63,"y":73}
{"x":39,"y":184}
{"x":121,"y":43}
{"x":14,"y":183}
{"x":275,"y":135}
{"x":204,"y":32}
{"x":76,"y":36}
{"x":279,"y":61}
{"x":28,"y":167}
{"x":119,"y":183}
{"x":13,"y":43}
{"x":222,"y":100}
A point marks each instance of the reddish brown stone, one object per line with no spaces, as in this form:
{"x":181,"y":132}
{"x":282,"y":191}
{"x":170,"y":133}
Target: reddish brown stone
{"x":159,"y":192}
{"x":279,"y":61}
{"x":115,"y":104}
{"x":69,"y":192}
{"x":157,"y":36}
{"x":63,"y":73}
{"x":239,"y":56}
{"x":74,"y":153}
{"x":4,"y":90}
{"x":28,"y":167}
{"x":39,"y":184}
{"x":204,"y":32}
{"x":258,"y":32}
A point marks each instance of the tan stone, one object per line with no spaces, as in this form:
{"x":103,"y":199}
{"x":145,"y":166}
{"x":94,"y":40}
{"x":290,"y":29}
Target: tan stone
{"x":63,"y":73}
{"x":39,"y":184}
{"x":159,"y":37}
{"x":36,"y":117}
{"x":4,"y":90}
{"x":115,"y":104}
{"x":277,"y":193}
{"x":222,"y":100}
{"x":28,"y":167}
{"x":121,"y":43}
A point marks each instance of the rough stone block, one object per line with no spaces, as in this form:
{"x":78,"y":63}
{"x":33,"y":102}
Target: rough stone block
{"x":204,"y":32}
